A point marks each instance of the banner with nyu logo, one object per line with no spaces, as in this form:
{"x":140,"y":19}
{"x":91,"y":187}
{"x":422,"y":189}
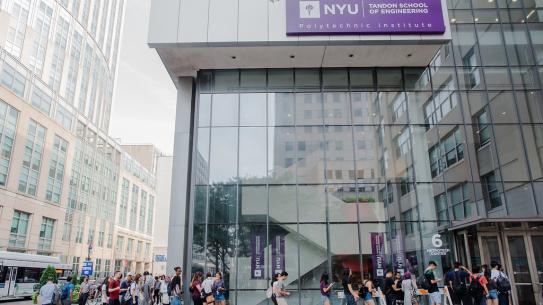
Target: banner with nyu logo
{"x":398,"y":254}
{"x":351,"y":17}
{"x":278,"y":253}
{"x":378,"y":254}
{"x":257,"y":255}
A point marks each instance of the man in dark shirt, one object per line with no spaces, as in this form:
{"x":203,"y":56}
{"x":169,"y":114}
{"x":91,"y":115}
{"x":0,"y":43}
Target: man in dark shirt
{"x":457,"y":281}
{"x":177,"y":284}
{"x":390,"y":293}
{"x":125,"y":297}
{"x":433,"y":291}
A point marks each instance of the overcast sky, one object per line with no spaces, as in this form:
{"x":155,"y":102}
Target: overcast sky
{"x":144,"y":100}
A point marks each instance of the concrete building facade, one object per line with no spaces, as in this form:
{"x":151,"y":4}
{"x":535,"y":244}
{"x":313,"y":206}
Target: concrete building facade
{"x":61,"y":173}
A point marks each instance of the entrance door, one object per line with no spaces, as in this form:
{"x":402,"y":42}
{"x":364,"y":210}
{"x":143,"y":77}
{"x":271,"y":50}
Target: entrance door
{"x":12,"y":277}
{"x":525,"y":289}
{"x":491,"y":248}
{"x":537,"y":245}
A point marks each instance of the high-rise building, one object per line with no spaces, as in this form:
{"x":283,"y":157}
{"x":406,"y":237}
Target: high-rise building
{"x":62,"y":178}
{"x":319,"y":136}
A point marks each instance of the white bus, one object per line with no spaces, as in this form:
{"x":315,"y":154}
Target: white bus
{"x":20,"y":273}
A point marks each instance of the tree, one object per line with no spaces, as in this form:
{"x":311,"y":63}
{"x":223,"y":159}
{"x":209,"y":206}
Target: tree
{"x":49,"y":272}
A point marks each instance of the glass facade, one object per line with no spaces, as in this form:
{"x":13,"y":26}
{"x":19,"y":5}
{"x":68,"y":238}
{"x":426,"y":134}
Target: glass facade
{"x":321,"y":167}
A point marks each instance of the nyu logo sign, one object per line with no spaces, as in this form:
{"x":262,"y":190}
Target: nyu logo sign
{"x":312,"y":9}
{"x":354,"y":17}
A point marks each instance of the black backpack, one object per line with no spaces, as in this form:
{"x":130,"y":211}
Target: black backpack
{"x":422,"y":282}
{"x":475,"y":288}
{"x":503,"y":284}
{"x":458,"y":284}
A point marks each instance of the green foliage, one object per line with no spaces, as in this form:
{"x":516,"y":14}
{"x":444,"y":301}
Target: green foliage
{"x":49,"y":272}
{"x":35,"y":297}
{"x":75,"y":297}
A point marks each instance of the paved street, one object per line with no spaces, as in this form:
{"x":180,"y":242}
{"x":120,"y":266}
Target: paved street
{"x":17,"y":302}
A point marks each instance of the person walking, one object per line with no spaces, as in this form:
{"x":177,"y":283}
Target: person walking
{"x":114,"y":289}
{"x":478,"y":286}
{"x":325,"y":287}
{"x":84,"y":289}
{"x":369,"y":294}
{"x":207,"y":286}
{"x":135,"y":289}
{"x":398,"y":278}
{"x":492,"y":296}
{"x":219,"y":289}
{"x":125,"y":295}
{"x":503,"y":285}
{"x":433,"y":291}
{"x":146,"y":288}
{"x":409,"y":288}
{"x":390,"y":288}
{"x":280,"y":289}
{"x":48,"y":293}
{"x":196,"y":288}
{"x":67,"y":292}
{"x":104,"y":294}
{"x":176,"y":286}
{"x":163,"y":291}
{"x":156,"y":291}
{"x":273,"y":297}
{"x":347,"y":282}
{"x":457,"y":281}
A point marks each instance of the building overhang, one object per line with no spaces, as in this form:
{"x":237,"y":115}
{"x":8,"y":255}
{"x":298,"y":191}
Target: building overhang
{"x":192,"y":35}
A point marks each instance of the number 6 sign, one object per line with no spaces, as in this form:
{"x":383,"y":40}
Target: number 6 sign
{"x":437,"y":241}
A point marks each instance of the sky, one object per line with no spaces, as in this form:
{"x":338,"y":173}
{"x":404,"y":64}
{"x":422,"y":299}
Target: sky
{"x":145,"y":96}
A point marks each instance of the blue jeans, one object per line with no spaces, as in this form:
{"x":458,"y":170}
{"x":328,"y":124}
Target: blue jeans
{"x":350,"y":299}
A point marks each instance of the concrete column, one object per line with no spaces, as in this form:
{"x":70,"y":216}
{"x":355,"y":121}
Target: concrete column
{"x":181,"y":174}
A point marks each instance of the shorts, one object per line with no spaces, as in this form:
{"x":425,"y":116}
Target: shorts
{"x":368,"y":297}
{"x":220,"y":297}
{"x":350,"y":299}
{"x":492,"y":294}
{"x":324,"y":298}
{"x":435,"y":297}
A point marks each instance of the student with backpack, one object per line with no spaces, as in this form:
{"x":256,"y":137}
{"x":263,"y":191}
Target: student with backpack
{"x":67,"y":292}
{"x":478,"y":287}
{"x":457,"y":281}
{"x":503,"y":285}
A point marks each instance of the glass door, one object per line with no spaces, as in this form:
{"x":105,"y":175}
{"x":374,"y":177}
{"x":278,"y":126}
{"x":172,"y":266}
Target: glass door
{"x":491,"y":249}
{"x":523,"y":289}
{"x":537,"y":245}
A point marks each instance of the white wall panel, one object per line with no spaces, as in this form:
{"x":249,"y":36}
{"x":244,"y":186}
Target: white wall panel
{"x":277,"y":16}
{"x":163,"y":21}
{"x":223,"y":21}
{"x":193,"y":21}
{"x":253,"y":20}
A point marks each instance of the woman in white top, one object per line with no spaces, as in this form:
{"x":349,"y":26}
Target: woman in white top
{"x":105,"y":284}
{"x":163,"y":291}
{"x":135,"y":289}
{"x":409,"y":287}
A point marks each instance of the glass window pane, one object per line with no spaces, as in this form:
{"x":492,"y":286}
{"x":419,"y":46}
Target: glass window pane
{"x":280,"y":109}
{"x":252,"y":109}
{"x":252,"y":155}
{"x":224,"y":158}
{"x":225,"y":110}
{"x":226,"y":81}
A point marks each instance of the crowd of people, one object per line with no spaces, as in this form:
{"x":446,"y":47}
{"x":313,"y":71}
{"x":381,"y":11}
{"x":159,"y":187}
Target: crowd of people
{"x":482,"y":285}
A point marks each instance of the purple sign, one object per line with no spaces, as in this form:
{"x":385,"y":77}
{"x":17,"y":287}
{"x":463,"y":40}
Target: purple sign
{"x":257,"y":255}
{"x":378,"y":254}
{"x":398,"y":252}
{"x":278,"y":253}
{"x":352,"y":17}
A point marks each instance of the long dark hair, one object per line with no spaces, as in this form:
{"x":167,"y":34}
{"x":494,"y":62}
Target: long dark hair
{"x":324,"y":278}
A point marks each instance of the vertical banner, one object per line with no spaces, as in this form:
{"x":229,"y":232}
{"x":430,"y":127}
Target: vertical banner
{"x":257,"y":255}
{"x":398,"y":250}
{"x":378,"y":254}
{"x":278,"y":253}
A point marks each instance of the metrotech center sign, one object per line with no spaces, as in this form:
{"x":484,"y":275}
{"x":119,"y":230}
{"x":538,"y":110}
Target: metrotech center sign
{"x":352,"y":17}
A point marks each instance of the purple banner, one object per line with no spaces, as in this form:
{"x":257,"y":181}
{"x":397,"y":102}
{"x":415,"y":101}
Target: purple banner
{"x":257,"y":255}
{"x":398,"y":253}
{"x":278,"y":253}
{"x":348,"y":17}
{"x":378,"y":254}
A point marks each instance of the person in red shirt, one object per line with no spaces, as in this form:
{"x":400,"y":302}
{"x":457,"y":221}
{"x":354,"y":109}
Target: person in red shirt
{"x":115,"y":288}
